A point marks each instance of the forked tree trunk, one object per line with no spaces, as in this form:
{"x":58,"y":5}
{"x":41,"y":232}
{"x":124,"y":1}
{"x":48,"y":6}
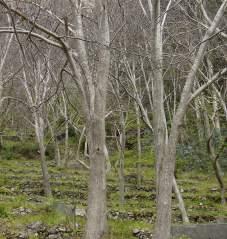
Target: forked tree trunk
{"x":165,"y":145}
{"x":96,"y":215}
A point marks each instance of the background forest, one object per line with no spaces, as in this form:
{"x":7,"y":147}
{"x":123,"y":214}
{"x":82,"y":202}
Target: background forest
{"x":113,"y":117}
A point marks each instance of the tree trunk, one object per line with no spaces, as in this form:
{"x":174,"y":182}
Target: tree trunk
{"x":96,"y":223}
{"x":57,"y":154}
{"x":1,"y":90}
{"x":138,"y":165}
{"x":212,"y":154}
{"x":96,"y":215}
{"x":66,"y":152}
{"x":122,"y":159}
{"x":39,"y":127}
{"x":180,"y":200}
{"x":165,"y":147}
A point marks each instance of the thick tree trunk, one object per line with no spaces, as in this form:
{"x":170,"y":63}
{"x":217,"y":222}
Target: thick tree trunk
{"x":164,"y":197}
{"x":96,"y":223}
{"x":96,"y":215}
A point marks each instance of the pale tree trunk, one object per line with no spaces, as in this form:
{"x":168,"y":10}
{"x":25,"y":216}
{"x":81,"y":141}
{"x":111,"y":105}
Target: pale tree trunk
{"x":79,"y":143}
{"x":96,"y":215}
{"x":1,"y":90}
{"x":164,"y":169}
{"x":180,"y":200}
{"x":214,"y":99}
{"x":57,"y":154}
{"x":122,"y":158}
{"x":139,"y":152}
{"x":212,"y":154}
{"x":198,"y":120}
{"x":66,"y":152}
{"x":8,"y":41}
{"x":34,"y":98}
{"x":39,"y":128}
{"x":216,"y":113}
{"x":165,"y":150}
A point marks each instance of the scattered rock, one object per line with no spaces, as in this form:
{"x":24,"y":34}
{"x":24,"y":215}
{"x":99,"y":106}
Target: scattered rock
{"x":21,"y":211}
{"x":23,"y":236}
{"x":80,"y":212}
{"x":140,"y":215}
{"x":142,"y":234}
{"x":36,"y":227}
{"x":55,"y":236}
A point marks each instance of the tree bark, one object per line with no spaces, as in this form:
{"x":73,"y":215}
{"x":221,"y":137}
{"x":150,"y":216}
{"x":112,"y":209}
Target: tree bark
{"x":165,"y":147}
{"x":122,"y":159}
{"x":39,"y":127}
{"x":180,"y":200}
{"x":138,"y":165}
{"x":212,"y":154}
{"x":96,"y":217}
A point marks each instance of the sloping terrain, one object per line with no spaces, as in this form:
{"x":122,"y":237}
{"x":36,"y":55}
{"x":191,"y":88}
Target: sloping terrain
{"x":23,"y":207}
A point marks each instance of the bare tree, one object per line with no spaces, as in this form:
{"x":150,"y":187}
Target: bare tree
{"x":165,"y":143}
{"x":38,"y":73}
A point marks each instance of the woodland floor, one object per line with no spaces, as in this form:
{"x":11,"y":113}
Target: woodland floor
{"x":22,"y":203}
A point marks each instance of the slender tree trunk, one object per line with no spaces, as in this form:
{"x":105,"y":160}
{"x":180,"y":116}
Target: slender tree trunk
{"x":66,"y":152}
{"x":1,"y":90}
{"x":57,"y":154}
{"x":79,"y":143}
{"x":39,"y":127}
{"x":138,"y":165}
{"x":122,"y":159}
{"x":198,"y":120}
{"x":216,"y":113}
{"x":180,"y":200}
{"x":212,"y":154}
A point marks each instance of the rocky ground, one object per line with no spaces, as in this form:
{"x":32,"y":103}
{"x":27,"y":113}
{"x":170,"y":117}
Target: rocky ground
{"x":25,"y":213}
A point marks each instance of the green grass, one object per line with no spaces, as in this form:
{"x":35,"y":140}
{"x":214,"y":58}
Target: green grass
{"x":202,"y":202}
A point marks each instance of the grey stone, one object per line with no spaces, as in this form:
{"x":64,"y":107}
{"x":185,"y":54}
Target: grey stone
{"x":200,"y":231}
{"x":55,"y":236}
{"x":80,"y":212}
{"x":68,"y":209}
{"x":63,"y":208}
{"x":23,"y":236}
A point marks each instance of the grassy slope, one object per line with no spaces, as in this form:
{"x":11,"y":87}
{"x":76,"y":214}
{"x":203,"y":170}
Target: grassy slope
{"x":20,"y":186}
